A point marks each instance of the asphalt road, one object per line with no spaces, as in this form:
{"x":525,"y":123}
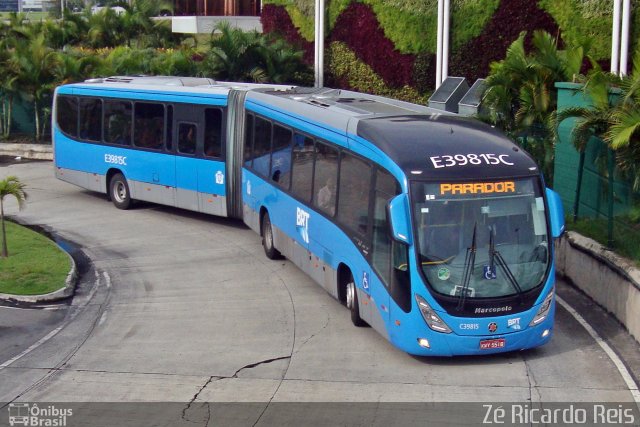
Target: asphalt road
{"x":181,"y":307}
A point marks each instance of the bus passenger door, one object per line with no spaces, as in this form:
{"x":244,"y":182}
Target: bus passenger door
{"x":211,"y":169}
{"x":188,"y":143}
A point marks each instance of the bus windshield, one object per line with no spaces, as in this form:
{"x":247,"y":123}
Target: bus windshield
{"x":481,"y":239}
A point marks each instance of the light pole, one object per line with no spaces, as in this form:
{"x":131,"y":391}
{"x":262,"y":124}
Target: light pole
{"x":620,"y":37}
{"x":442,"y":41}
{"x":319,"y":44}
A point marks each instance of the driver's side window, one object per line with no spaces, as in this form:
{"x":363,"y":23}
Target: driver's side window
{"x":389,"y":258}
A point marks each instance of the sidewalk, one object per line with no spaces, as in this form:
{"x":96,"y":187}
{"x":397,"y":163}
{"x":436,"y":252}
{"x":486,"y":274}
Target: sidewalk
{"x":27,"y":151}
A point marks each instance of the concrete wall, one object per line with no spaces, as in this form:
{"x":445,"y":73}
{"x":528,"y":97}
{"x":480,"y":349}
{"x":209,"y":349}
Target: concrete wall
{"x":609,"y":279}
{"x":27,"y":151}
{"x":206,"y":24}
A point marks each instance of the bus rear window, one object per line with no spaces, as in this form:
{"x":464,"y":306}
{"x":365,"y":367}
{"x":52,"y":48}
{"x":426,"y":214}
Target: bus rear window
{"x":67,"y":111}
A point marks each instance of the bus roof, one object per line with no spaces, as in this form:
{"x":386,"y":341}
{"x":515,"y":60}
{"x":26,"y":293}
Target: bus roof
{"x":415,"y":137}
{"x":421,"y":140}
{"x":426,"y":146}
{"x":189,"y":86}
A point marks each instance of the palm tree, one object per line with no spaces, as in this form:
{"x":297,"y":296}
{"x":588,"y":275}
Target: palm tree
{"x":282,"y":63}
{"x":252,"y":57}
{"x":106,"y":29}
{"x":520,"y":92}
{"x":34,"y":64}
{"x":624,"y":132}
{"x":10,"y":186}
{"x":594,"y":120}
{"x":7,"y":84}
{"x":138,"y":23}
{"x":234,"y":54}
{"x":74,"y":67}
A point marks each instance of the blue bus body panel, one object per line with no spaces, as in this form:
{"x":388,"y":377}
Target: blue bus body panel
{"x":192,"y":174}
{"x":137,"y":165}
{"x":313,"y":231}
{"x":468,"y":332}
{"x":329,"y":244}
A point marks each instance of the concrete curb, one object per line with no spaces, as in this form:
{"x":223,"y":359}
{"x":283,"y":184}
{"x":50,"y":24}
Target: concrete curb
{"x":27,"y":151}
{"x":66,"y":292}
{"x":610,"y":280}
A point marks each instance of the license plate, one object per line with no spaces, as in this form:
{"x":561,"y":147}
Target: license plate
{"x":491,"y":344}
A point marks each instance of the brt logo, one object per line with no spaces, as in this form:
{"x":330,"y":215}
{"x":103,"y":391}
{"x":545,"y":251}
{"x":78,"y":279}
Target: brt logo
{"x":302,"y":221}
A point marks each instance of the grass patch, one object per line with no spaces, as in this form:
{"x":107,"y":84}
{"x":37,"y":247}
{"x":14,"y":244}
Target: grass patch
{"x":35,"y":265}
{"x":626,"y":238}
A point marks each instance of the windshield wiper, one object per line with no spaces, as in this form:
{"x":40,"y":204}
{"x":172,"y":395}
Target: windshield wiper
{"x":495,"y":255}
{"x":469,"y":263}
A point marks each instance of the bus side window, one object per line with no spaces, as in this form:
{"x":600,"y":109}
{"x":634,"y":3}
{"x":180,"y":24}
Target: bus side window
{"x":353,"y":203}
{"x":187,"y":137}
{"x":302,"y":167}
{"x":149,"y":120}
{"x":325,"y":178}
{"x":262,"y":146}
{"x":90,"y":119}
{"x":213,"y":132}
{"x":67,"y":112}
{"x":281,"y":156}
{"x":117,"y":122}
{"x":248,"y":140}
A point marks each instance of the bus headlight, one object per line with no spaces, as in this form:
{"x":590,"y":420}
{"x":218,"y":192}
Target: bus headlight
{"x":430,"y":316}
{"x":544,"y":308}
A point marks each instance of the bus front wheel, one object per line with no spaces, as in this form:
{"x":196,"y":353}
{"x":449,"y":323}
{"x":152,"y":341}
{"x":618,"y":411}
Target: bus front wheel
{"x":119,"y":192}
{"x":267,"y":238}
{"x":352,"y":303}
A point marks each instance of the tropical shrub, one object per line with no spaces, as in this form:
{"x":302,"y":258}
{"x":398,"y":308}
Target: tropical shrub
{"x":520,"y":94}
{"x":237,"y":55}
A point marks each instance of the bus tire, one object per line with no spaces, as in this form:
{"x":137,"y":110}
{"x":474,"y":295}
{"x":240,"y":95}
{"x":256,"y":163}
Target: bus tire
{"x":267,"y":238}
{"x":352,"y":303}
{"x":119,"y":192}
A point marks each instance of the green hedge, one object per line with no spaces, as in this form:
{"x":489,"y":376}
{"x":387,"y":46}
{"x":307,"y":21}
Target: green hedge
{"x":344,"y":66}
{"x":302,"y":14}
{"x":410,"y":24}
{"x":580,"y":19}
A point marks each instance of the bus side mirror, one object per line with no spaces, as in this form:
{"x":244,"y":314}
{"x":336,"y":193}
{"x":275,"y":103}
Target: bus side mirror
{"x":556,"y":213}
{"x":399,"y":219}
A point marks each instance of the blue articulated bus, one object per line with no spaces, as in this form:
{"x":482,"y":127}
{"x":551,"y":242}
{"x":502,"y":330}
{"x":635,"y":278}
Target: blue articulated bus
{"x":434,"y":229}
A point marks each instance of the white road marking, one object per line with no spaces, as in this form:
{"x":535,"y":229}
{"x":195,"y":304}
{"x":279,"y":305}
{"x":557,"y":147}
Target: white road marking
{"x":33,"y":347}
{"x":107,"y":279}
{"x":52,"y":333}
{"x":624,"y":372}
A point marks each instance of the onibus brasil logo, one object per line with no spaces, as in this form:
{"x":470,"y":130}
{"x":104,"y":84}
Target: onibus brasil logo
{"x":27,"y":414}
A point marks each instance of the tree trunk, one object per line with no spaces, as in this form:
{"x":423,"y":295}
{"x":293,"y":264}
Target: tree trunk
{"x":37,"y":114}
{"x":7,"y":128}
{"x":5,"y":252}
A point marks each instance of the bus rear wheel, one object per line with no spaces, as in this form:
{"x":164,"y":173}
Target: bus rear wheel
{"x":352,"y":303}
{"x":119,"y":192}
{"x":267,"y":238}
